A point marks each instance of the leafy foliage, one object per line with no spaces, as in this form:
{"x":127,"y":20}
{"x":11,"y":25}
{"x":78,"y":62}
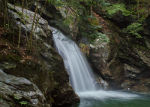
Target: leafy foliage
{"x":89,"y":27}
{"x":134,"y":29}
{"x":80,"y":11}
{"x":17,"y":96}
{"x":101,"y":38}
{"x":23,"y":102}
{"x":104,"y":3}
{"x":19,"y":100}
{"x":111,"y":10}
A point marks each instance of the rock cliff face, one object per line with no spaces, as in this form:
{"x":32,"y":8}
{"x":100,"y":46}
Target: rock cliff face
{"x":124,"y":61}
{"x":34,"y":77}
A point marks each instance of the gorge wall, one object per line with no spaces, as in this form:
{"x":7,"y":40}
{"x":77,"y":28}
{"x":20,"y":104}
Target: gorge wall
{"x":115,"y":40}
{"x":124,"y":60}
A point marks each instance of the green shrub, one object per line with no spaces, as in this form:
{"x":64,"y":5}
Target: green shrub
{"x":102,"y":37}
{"x":111,"y":10}
{"x":134,"y":29}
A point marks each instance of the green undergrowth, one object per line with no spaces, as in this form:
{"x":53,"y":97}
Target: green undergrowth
{"x":134,"y":29}
{"x":114,"y":8}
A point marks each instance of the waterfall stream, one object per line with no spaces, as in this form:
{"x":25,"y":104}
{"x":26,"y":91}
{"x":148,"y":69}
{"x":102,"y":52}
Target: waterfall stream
{"x":81,"y":75}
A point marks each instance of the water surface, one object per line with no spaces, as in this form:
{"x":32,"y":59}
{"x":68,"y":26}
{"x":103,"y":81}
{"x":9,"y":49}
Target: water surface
{"x":142,"y":101}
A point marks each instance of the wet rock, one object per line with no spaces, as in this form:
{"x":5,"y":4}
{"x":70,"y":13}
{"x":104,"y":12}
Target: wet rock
{"x":17,"y":89}
{"x":52,"y":14}
{"x":144,"y":56}
{"x":4,"y":103}
{"x":64,"y":97}
{"x":44,"y":67}
{"x":130,"y":72}
{"x":30,"y":22}
{"x":99,"y":54}
{"x":6,"y":65}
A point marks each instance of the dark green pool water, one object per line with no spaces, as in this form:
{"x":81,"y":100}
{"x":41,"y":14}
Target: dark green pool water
{"x":143,"y":101}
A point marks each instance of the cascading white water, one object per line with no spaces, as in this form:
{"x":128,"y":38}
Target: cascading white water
{"x":75,"y":63}
{"x":81,"y":76}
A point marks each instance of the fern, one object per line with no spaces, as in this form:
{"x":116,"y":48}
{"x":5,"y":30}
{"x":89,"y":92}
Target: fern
{"x":111,"y":10}
{"x":134,"y":29}
{"x":23,"y":102}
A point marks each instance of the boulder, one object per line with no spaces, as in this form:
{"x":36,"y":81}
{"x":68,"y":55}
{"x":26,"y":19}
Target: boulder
{"x":15,"y":91}
{"x":98,"y":57}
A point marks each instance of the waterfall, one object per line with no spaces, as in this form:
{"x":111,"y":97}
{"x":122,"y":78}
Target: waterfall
{"x":80,"y":72}
{"x":81,"y":75}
